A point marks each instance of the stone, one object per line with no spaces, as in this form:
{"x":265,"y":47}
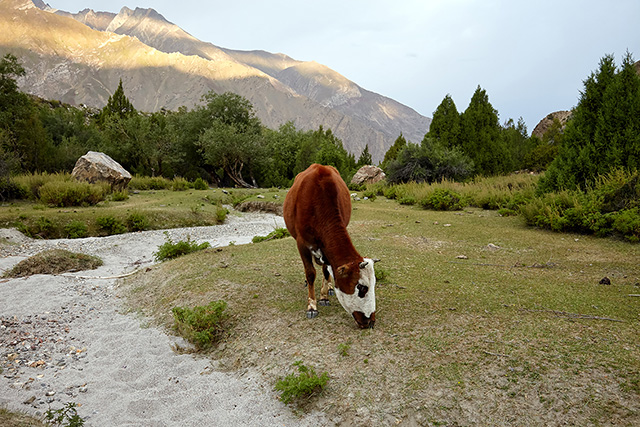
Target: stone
{"x":94,"y":167}
{"x":368,"y":175}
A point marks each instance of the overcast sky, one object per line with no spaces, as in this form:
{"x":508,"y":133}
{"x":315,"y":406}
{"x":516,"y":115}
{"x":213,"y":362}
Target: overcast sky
{"x":530,"y":56}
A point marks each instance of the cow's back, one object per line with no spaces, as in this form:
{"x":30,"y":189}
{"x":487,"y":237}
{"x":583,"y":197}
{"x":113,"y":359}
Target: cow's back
{"x":317,"y":198}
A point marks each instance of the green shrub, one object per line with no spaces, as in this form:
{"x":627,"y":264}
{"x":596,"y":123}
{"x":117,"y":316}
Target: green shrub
{"x":71,"y":193}
{"x":120,"y":196}
{"x":111,"y":225}
{"x":67,"y":416}
{"x":76,"y":230}
{"x":170,"y":250}
{"x":305,"y":384}
{"x":627,"y":223}
{"x":179,"y":184}
{"x":149,"y":183}
{"x":44,"y":228}
{"x":202,"y":326}
{"x":442,"y":199}
{"x":200,"y":184}
{"x":390,"y":192}
{"x":407,"y":200}
{"x":278,"y":233}
{"x":54,"y":261}
{"x":221,"y":213}
{"x":136,"y":221}
{"x":11,"y":190}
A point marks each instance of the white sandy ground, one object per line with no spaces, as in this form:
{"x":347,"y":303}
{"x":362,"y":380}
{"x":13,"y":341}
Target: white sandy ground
{"x":86,"y":349}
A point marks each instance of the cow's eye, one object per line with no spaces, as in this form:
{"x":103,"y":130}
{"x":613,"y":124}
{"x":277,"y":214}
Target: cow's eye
{"x":362,"y":290}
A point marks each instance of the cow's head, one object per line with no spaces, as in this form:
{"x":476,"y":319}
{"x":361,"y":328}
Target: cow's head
{"x":356,"y":291}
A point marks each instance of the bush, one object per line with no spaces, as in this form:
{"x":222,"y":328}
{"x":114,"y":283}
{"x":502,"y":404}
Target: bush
{"x":44,"y":228}
{"x":10,"y":190}
{"x":302,"y":385}
{"x":136,"y":221}
{"x":71,"y":193}
{"x":111,"y":225}
{"x":278,"y":233}
{"x":76,"y":230}
{"x":170,"y":250}
{"x":66,"y":416}
{"x":120,"y":196}
{"x":179,"y":184}
{"x":442,"y":200}
{"x":221,"y":213}
{"x":200,"y":184}
{"x":202,"y":326}
{"x":149,"y":183}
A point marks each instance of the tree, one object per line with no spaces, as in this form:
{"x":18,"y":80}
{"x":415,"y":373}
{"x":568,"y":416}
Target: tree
{"x":365,"y":157}
{"x":445,"y":125}
{"x":480,"y":136}
{"x":233,"y":141}
{"x":393,"y":151}
{"x":517,"y":143}
{"x":604,"y":132}
{"x":118,"y":105}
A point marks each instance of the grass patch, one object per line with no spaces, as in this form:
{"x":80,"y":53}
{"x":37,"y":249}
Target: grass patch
{"x":54,"y":261}
{"x":67,"y":416}
{"x":201,"y":325}
{"x":170,"y":250}
{"x":278,"y":233}
{"x":18,"y":419}
{"x":304,"y":384}
{"x":493,"y":337}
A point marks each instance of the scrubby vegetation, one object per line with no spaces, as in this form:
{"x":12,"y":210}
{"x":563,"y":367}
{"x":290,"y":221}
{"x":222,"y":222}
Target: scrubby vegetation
{"x":170,"y":250}
{"x":54,"y":261}
{"x":301,"y":385}
{"x":278,"y":233}
{"x":201,"y":325}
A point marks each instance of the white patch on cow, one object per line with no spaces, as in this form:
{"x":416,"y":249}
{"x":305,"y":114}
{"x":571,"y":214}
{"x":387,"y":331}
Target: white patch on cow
{"x":331,"y":272}
{"x":317,"y":254}
{"x":353,"y":302}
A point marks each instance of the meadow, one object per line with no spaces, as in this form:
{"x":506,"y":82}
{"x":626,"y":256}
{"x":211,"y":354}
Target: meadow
{"x":480,"y":320}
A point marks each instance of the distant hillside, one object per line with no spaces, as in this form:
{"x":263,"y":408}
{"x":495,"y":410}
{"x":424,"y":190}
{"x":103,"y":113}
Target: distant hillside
{"x":79,"y":59}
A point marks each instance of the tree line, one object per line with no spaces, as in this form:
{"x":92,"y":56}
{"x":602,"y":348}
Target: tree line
{"x":221,"y":141}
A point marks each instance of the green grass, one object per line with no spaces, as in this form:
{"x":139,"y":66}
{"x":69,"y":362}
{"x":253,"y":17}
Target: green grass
{"x":515,"y":330}
{"x":18,"y":419}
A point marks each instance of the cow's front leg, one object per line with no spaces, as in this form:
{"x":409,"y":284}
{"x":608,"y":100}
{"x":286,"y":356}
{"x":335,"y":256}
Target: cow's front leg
{"x":327,"y":286}
{"x":310,"y":274}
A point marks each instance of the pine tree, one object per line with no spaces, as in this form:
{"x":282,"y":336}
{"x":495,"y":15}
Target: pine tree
{"x":481,"y":137}
{"x":365,"y":157}
{"x":604,"y":132}
{"x":118,"y":106}
{"x":445,"y":125}
{"x":393,"y":151}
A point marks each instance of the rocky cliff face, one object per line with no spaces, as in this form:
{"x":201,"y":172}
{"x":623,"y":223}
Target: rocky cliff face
{"x":81,"y":60}
{"x":543,"y":126}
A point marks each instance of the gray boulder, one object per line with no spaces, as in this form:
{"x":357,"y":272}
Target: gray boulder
{"x":94,"y":167}
{"x":368,"y":175}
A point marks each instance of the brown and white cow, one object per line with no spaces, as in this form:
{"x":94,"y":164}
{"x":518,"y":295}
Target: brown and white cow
{"x":316,"y":211}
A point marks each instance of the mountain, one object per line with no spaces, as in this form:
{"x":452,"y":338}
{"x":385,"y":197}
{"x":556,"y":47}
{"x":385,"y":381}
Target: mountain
{"x":79,"y":58}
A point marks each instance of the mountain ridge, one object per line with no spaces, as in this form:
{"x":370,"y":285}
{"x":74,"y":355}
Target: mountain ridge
{"x":82,"y":64}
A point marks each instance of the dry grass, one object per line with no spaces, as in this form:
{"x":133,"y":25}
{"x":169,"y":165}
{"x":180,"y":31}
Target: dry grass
{"x":521,"y":334}
{"x":54,"y":261}
{"x":18,"y":419}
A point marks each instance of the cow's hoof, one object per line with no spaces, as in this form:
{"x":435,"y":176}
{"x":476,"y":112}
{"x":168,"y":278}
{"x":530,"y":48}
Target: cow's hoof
{"x":332,"y":293}
{"x":324,"y":302}
{"x":312,"y":313}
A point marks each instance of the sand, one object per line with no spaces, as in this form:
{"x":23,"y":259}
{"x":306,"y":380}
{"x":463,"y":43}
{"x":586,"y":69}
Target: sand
{"x":67,"y":338}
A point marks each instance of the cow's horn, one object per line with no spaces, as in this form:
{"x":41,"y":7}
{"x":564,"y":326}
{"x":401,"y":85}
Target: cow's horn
{"x":375,"y":260}
{"x":363,"y":264}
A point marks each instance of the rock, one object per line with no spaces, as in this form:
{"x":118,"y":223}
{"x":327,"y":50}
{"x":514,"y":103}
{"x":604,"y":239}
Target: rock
{"x":368,"y":175}
{"x":546,"y":123}
{"x":462,"y":257}
{"x":605,"y":281}
{"x":94,"y":167}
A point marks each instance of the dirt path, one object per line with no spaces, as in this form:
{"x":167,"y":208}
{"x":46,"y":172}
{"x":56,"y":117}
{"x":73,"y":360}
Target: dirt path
{"x":66,"y":339}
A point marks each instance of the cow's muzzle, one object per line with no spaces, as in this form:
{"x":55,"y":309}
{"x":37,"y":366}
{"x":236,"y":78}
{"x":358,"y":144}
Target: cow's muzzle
{"x":363,"y":321}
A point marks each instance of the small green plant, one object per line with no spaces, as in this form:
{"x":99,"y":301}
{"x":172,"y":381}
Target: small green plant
{"x":76,"y":230}
{"x":137,"y":222}
{"x":44,"y":228}
{"x":381,"y":274}
{"x":278,"y":233}
{"x":67,"y":416}
{"x":200,"y":184}
{"x":120,"y":196}
{"x":179,"y":184}
{"x":221,"y":213}
{"x":343,"y":348}
{"x":72,"y":193}
{"x":442,"y":199}
{"x":170,"y":250}
{"x":201,"y":325}
{"x":111,"y":225}
{"x":304,"y":384}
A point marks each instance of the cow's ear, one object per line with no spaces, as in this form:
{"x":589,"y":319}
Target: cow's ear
{"x":343,"y":271}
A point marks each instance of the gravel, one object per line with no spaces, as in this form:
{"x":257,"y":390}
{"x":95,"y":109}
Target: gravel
{"x":67,"y":338}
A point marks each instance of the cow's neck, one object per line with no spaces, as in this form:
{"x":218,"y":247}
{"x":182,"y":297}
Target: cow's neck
{"x":339,"y":250}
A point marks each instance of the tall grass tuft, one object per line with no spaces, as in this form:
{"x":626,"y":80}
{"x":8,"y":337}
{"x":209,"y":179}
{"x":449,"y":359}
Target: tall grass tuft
{"x":72,"y":193}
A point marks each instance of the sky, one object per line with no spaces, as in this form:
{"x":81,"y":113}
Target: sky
{"x":531,"y":57}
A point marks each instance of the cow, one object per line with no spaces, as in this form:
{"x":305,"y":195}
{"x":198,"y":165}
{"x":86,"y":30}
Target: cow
{"x":316,"y":211}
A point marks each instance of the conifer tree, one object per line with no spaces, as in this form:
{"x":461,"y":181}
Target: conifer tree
{"x":365,"y":157}
{"x":604,"y":132}
{"x":445,"y":125}
{"x":393,"y":151}
{"x":117,"y":106}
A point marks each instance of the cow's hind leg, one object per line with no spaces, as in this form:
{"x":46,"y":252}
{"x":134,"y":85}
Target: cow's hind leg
{"x":327,"y":286}
{"x":310,"y":274}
